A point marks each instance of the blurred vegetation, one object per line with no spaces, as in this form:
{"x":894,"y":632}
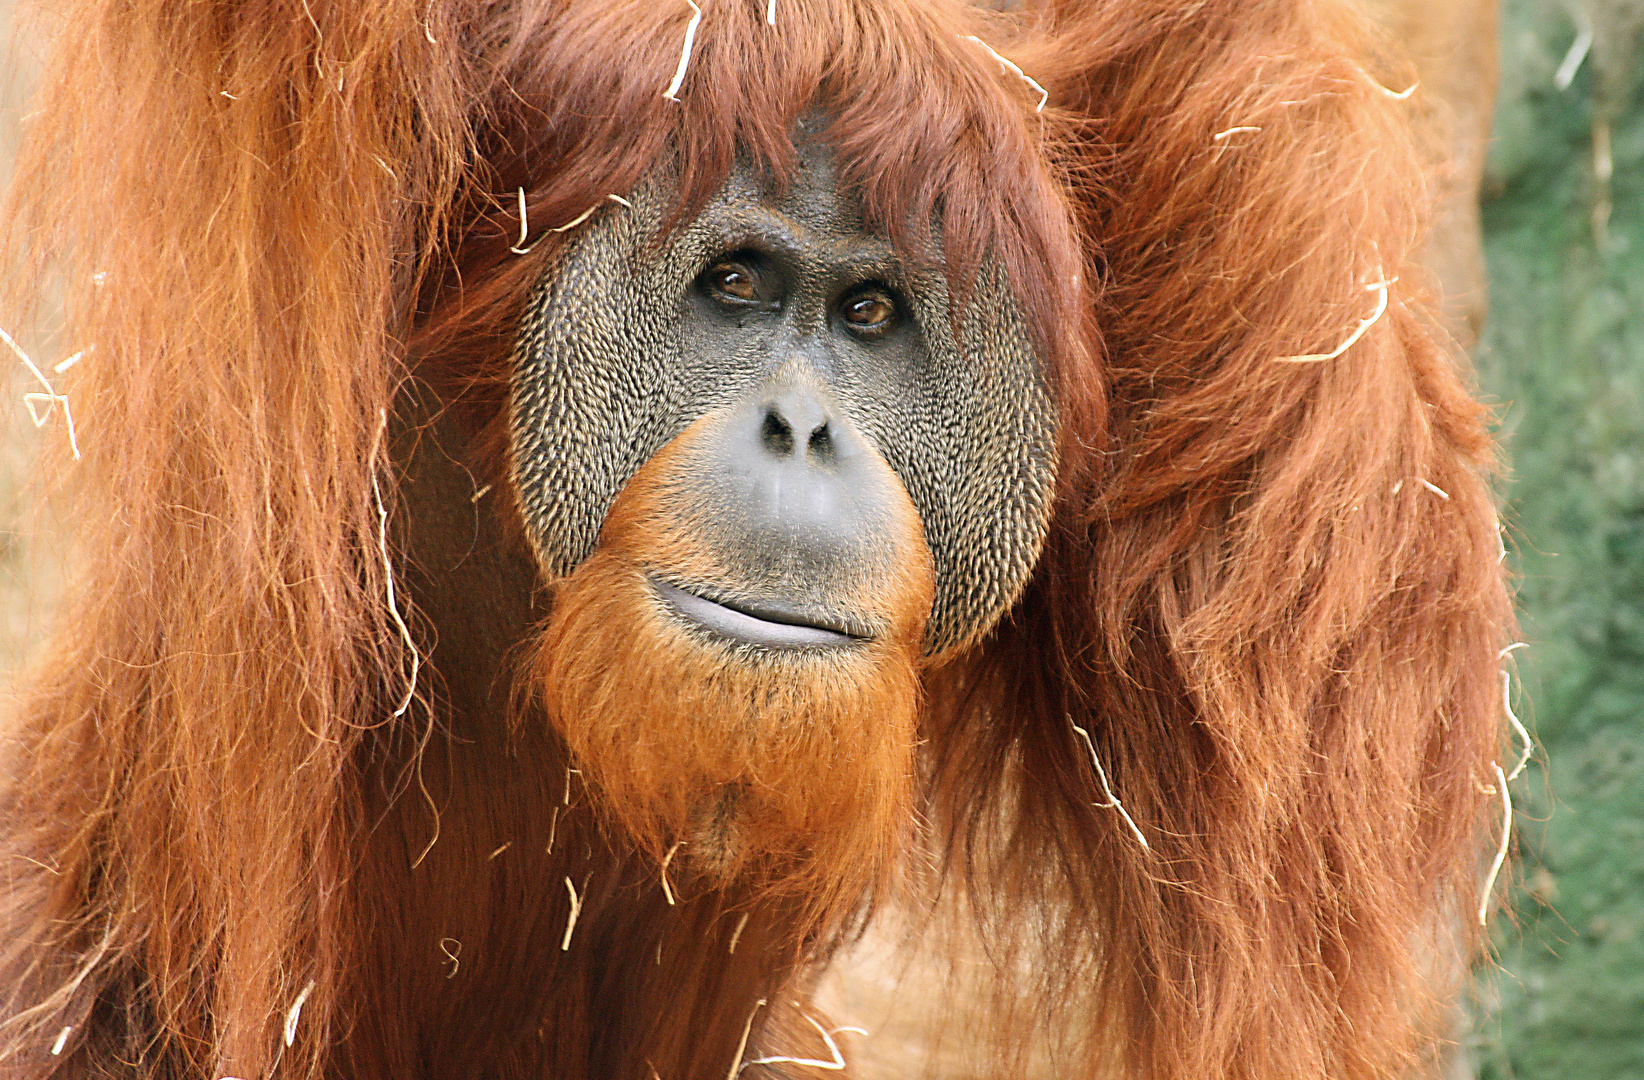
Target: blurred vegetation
{"x":1564,"y":355}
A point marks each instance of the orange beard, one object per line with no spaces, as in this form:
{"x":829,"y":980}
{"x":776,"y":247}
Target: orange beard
{"x":791,"y":770}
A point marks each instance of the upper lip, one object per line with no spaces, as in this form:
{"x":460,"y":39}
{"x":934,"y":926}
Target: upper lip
{"x":771,"y":623}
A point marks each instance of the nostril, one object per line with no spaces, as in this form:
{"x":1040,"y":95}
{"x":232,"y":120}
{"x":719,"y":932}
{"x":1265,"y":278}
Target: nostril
{"x":820,"y":444}
{"x":776,"y":435}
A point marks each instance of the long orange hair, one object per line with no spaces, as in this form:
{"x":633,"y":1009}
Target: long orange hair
{"x":1271,"y":599}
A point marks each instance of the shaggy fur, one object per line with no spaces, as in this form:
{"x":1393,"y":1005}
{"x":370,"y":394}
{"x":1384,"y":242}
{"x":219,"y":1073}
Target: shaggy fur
{"x":234,"y":846}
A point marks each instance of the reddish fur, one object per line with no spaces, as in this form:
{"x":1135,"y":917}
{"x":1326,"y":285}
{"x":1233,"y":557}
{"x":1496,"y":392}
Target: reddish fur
{"x":1281,"y":643}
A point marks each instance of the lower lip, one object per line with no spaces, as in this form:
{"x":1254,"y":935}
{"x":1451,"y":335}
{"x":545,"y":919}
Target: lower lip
{"x":738,"y":626}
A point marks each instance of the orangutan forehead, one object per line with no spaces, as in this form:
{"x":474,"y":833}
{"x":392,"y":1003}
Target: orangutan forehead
{"x":811,"y":206}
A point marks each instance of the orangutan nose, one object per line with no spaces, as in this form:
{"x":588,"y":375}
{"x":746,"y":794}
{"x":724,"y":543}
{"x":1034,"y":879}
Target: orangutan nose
{"x":803,"y":485}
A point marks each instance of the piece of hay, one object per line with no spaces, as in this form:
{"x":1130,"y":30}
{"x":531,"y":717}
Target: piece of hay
{"x":1579,"y":48}
{"x":1501,"y":852}
{"x":1353,"y":338}
{"x":741,"y":1047}
{"x":835,"y":1064}
{"x":736,"y":935}
{"x":1396,"y":95}
{"x":1528,"y":744}
{"x":1434,"y":488}
{"x":1044,"y":95}
{"x":574,"y":222}
{"x":667,"y":891}
{"x":672,"y":93}
{"x":571,"y":922}
{"x":452,"y":948}
{"x":522,"y":248}
{"x":295,"y":1013}
{"x":1113,"y":802}
{"x":388,"y":573}
{"x":51,"y":398}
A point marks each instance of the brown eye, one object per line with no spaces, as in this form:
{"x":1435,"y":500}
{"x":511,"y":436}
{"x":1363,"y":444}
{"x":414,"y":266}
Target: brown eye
{"x":871,"y":311}
{"x":733,"y":281}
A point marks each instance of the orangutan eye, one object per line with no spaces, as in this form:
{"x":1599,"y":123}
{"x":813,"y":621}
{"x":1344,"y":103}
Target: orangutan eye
{"x":731,"y":281}
{"x":869,"y":313}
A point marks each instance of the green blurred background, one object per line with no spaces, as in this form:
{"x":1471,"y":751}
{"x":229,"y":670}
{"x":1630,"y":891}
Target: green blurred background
{"x":1563,"y":355}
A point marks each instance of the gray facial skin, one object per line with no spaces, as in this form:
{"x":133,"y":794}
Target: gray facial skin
{"x":759,"y":299}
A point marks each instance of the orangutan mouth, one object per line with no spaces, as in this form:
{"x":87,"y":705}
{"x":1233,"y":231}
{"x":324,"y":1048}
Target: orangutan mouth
{"x":773,"y":625}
